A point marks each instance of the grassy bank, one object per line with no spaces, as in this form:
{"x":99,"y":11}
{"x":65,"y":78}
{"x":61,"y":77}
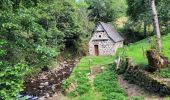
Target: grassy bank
{"x":138,"y":52}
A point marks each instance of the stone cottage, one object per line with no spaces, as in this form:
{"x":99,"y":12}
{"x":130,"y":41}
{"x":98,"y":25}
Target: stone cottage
{"x":105,"y":40}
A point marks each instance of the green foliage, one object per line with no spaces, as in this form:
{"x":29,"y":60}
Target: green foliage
{"x":106,"y":10}
{"x":104,"y":86}
{"x":33,"y":33}
{"x":140,"y":16}
{"x":107,"y":83}
{"x":165,"y":73}
{"x":122,"y":68}
{"x":136,"y":11}
{"x":11,"y":82}
{"x":66,"y":84}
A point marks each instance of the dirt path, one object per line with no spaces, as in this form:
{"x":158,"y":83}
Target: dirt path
{"x":134,"y":90}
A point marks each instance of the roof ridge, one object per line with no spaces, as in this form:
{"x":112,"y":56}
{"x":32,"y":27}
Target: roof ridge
{"x":111,"y":31}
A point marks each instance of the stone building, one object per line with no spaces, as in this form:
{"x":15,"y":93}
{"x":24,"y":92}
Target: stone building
{"x":105,"y":40}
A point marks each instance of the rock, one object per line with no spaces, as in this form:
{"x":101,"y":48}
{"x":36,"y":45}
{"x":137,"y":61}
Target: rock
{"x":47,"y":95}
{"x":41,"y":86}
{"x":95,"y":70}
{"x":46,"y":83}
{"x":76,"y":60}
{"x":53,"y":87}
{"x":65,"y":62}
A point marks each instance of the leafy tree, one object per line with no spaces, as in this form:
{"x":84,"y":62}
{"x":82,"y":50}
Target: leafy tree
{"x":106,"y":10}
{"x":32,"y":34}
{"x":139,"y":12}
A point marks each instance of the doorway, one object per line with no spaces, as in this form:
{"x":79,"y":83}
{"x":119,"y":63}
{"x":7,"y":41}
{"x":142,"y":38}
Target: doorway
{"x":96,"y":50}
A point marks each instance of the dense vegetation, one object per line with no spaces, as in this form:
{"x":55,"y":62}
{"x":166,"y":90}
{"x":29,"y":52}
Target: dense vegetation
{"x":139,"y":24}
{"x":33,"y":33}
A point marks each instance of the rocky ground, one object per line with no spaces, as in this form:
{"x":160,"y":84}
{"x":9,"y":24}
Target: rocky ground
{"x":47,"y":84}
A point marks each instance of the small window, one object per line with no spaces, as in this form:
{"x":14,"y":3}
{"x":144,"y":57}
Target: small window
{"x":99,"y":36}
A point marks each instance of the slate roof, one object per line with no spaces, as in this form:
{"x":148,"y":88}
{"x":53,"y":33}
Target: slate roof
{"x":111,"y":31}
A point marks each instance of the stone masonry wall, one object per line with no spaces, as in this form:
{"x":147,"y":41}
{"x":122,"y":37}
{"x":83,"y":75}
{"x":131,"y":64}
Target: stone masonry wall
{"x":105,"y":45}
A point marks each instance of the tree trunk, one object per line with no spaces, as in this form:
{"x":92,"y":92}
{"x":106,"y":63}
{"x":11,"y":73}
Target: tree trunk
{"x":156,"y":23}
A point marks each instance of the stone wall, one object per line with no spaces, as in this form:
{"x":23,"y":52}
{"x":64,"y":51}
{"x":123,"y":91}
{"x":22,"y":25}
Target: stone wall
{"x":144,"y":79}
{"x":147,"y":80}
{"x":105,"y":44}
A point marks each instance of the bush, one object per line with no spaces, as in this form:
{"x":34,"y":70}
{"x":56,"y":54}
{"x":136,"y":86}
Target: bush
{"x":11,"y":81}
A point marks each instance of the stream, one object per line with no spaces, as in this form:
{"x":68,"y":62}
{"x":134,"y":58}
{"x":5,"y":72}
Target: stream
{"x":47,"y":83}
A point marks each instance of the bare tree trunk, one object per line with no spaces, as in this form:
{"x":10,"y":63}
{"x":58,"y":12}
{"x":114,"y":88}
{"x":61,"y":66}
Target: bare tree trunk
{"x":156,"y":23}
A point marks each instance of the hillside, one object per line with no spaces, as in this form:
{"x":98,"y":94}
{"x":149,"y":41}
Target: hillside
{"x":107,"y":84}
{"x":42,"y":44}
{"x":138,"y":52}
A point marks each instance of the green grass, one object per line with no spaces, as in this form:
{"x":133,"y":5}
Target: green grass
{"x":138,"y":52}
{"x":87,"y":90}
{"x":90,"y":61}
{"x":107,"y":83}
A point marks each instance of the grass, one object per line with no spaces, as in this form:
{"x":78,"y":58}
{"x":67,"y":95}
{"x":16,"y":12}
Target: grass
{"x":138,"y":52}
{"x":107,"y":83}
{"x":90,"y":61}
{"x":89,"y":90}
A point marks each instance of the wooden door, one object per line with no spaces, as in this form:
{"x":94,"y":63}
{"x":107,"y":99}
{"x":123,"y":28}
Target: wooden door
{"x":96,"y":50}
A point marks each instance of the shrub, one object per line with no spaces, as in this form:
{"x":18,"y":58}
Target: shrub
{"x":11,"y":80}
